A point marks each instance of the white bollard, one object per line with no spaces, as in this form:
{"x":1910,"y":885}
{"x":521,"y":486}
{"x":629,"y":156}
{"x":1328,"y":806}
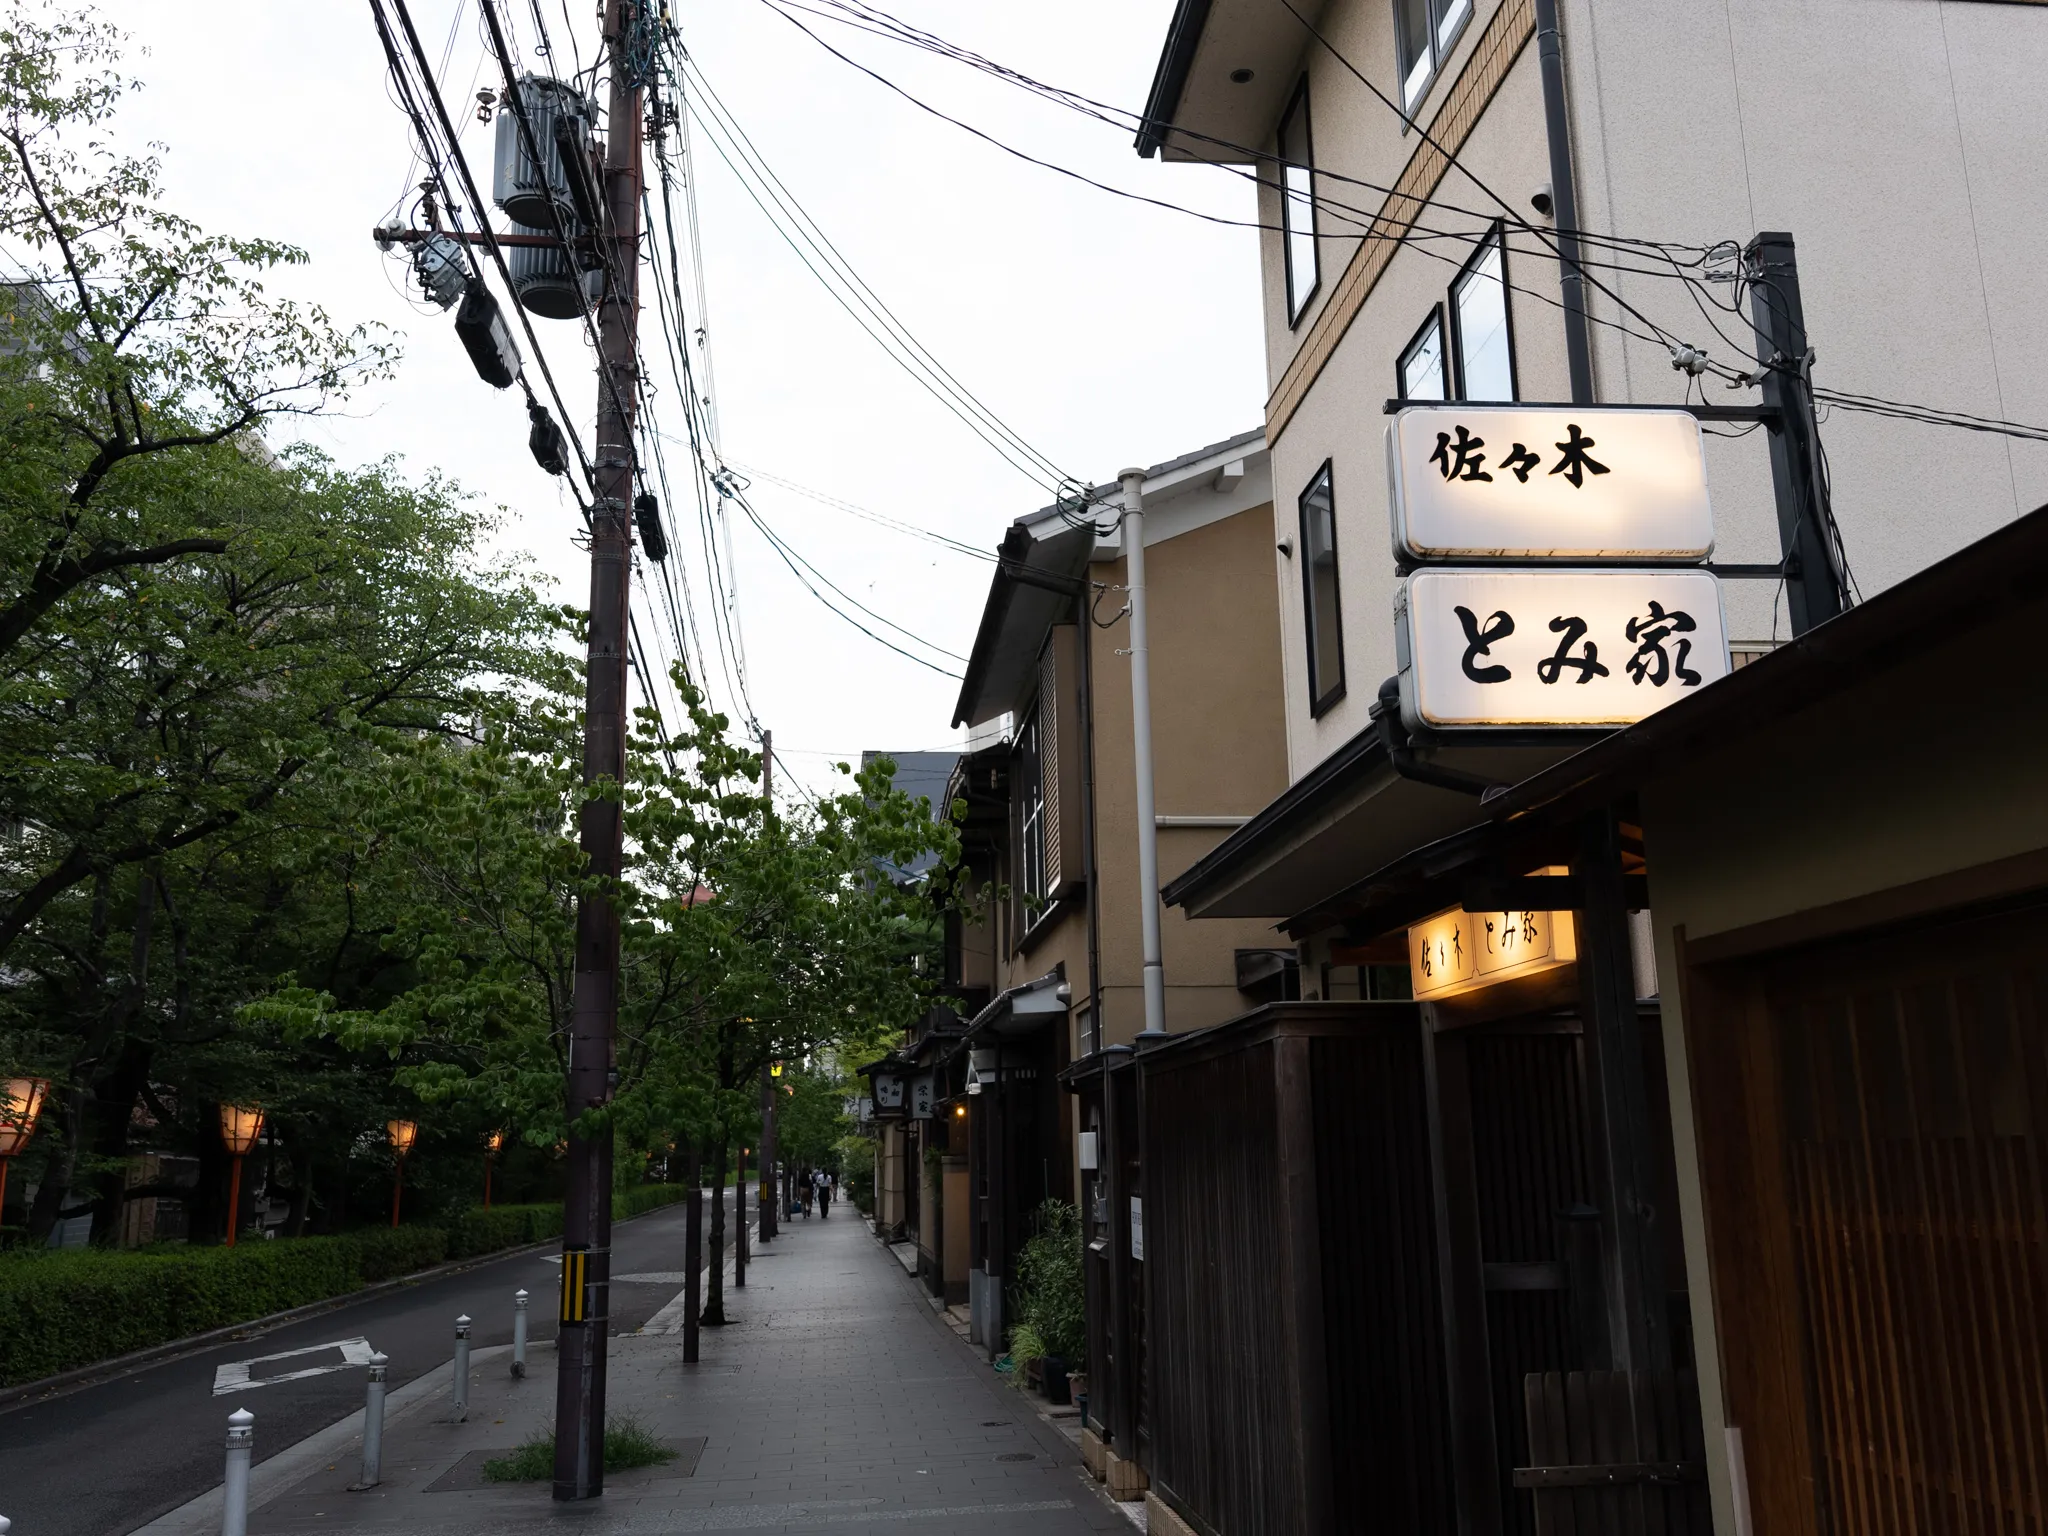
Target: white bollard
{"x":518,"y":1336}
{"x":462,"y":1368}
{"x":234,"y":1502}
{"x":373,"y":1427}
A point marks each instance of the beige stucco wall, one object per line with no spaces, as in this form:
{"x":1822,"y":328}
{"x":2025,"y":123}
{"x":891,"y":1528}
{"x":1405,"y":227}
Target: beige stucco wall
{"x":1218,"y":749}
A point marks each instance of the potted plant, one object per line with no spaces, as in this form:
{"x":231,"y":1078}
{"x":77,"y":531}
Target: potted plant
{"x":1050,"y":1300}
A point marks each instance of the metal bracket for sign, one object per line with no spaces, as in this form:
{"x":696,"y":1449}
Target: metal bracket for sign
{"x":1763,"y":415}
{"x":1611,"y":1474}
{"x":1542,"y":893}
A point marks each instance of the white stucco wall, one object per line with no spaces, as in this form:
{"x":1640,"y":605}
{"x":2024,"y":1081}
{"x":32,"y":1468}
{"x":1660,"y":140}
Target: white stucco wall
{"x":1900,"y":141}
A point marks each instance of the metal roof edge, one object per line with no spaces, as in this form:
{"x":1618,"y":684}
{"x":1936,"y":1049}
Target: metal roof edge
{"x":1170,"y":77}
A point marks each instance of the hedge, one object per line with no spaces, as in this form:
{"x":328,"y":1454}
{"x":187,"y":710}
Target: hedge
{"x":642,"y":1198}
{"x":69,"y":1308}
{"x":502,"y":1226}
{"x":64,"y":1309}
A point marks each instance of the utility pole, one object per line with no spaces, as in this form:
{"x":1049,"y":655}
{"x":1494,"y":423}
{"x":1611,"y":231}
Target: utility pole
{"x":587,"y":1210}
{"x":771,"y":1198}
{"x":1814,"y":590}
{"x":1141,"y":731}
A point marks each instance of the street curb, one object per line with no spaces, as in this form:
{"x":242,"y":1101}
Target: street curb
{"x":201,"y":1516}
{"x":51,"y":1387}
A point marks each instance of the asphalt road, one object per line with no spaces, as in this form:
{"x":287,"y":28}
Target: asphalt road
{"x":108,"y":1458}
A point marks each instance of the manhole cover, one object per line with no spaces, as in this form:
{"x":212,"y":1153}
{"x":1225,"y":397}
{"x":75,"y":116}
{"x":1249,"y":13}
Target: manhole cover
{"x":1014,"y":1456}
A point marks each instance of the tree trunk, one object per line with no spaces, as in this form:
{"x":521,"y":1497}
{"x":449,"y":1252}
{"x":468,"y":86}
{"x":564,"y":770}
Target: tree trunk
{"x":109,"y":1117}
{"x":302,"y":1187}
{"x":714,"y":1272}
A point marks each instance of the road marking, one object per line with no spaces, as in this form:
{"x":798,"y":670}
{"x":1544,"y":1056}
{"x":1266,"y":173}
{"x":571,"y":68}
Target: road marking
{"x":235,"y":1377}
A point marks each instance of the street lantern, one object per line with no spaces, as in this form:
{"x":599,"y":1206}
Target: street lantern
{"x":21,"y":1100}
{"x":492,"y":1143}
{"x":402,"y":1133}
{"x":240,"y":1125}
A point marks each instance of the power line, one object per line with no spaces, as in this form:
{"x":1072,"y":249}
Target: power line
{"x":910,"y":530}
{"x":853,"y":295}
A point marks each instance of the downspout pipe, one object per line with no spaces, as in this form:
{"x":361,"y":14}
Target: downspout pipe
{"x":1084,"y":621}
{"x":1141,"y":731}
{"x":1564,"y":201}
{"x":1401,"y":753}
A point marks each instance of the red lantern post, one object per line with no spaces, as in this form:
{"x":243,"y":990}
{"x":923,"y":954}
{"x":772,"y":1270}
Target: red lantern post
{"x":21,"y":1100}
{"x":491,"y":1144}
{"x":402,"y":1133}
{"x":240,"y":1125}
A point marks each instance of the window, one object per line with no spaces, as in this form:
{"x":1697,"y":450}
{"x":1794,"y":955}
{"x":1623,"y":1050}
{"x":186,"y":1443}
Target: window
{"x":1030,"y":821}
{"x":1319,"y":593}
{"x":1422,"y":362}
{"x":1298,"y":204}
{"x":1424,"y":33}
{"x":1479,"y":320}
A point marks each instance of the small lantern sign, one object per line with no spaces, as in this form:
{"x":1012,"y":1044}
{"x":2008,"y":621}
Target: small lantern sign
{"x":1457,"y":952}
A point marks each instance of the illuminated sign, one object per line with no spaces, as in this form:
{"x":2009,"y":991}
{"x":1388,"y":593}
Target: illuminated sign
{"x":1508,"y":482}
{"x":1554,"y":648}
{"x":1456,"y":952}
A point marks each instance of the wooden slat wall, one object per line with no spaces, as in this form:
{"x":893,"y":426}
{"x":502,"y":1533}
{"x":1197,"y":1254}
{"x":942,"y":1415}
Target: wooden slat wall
{"x":1529,"y":1163}
{"x":1388,"y":1417}
{"x":1295,"y":1375}
{"x":1220,"y":1417}
{"x":1878,"y":1119}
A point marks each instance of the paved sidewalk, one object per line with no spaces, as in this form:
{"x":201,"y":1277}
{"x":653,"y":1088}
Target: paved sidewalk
{"x":837,"y":1400}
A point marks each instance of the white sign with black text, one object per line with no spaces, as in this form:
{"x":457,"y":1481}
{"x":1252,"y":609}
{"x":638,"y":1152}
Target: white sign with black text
{"x":1511,"y":482}
{"x":1519,"y":648}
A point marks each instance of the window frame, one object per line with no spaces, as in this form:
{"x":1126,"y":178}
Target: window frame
{"x":1029,"y":793}
{"x":1434,"y":319}
{"x":1437,"y":48}
{"x":1454,"y":348}
{"x":1298,"y":102}
{"x":1321,"y":701}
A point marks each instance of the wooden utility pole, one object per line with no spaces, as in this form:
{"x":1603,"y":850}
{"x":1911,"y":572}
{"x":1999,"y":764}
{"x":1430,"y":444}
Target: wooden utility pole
{"x":587,"y":1212}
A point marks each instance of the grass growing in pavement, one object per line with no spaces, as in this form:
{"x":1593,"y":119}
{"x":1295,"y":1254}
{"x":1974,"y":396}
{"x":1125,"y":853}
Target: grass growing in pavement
{"x":627,"y":1444}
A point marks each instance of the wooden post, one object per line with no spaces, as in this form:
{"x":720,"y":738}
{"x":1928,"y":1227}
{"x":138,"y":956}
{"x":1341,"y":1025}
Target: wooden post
{"x":1638,"y":1330}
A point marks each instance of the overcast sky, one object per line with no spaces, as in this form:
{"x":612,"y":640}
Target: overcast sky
{"x":1105,"y":332}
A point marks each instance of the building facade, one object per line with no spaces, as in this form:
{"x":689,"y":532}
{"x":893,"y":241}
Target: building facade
{"x":1677,"y":1214}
